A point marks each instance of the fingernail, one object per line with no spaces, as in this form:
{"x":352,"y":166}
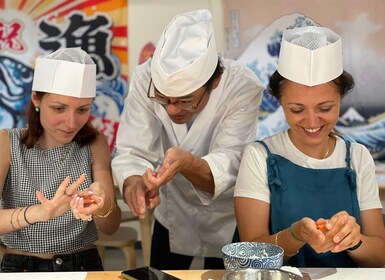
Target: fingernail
{"x":336,"y":239}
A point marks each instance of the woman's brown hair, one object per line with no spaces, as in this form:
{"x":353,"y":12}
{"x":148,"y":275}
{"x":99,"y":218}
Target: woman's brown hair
{"x":344,"y":84}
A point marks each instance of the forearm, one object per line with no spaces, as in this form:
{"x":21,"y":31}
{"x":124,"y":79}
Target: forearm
{"x":108,"y":221}
{"x":370,"y":253}
{"x":198,"y":172}
{"x":16,"y":219}
{"x":290,"y":244}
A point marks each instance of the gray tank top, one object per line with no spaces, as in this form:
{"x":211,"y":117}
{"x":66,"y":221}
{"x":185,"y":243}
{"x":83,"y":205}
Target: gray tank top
{"x":34,"y":170}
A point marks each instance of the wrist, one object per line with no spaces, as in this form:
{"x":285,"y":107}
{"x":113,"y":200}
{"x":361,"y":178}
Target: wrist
{"x":28,"y":218}
{"x":129,"y":181}
{"x":188,"y":162}
{"x":109,"y":211}
{"x":294,"y":234}
{"x":355,"y":247}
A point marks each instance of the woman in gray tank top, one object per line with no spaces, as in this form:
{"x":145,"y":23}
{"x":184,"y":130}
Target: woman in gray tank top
{"x":56,"y":184}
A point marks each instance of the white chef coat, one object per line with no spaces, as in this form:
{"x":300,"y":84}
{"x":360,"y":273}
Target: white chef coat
{"x":199,"y":223}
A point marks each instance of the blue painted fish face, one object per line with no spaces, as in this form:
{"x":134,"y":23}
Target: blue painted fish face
{"x":15,"y":90}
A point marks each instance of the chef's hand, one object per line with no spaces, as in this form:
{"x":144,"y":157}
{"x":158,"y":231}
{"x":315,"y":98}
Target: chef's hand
{"x":174,"y":160}
{"x":344,"y":232}
{"x":60,"y":203}
{"x":88,"y":202}
{"x":138,"y":197}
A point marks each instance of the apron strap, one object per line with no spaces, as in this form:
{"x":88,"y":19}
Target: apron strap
{"x":272,"y":172}
{"x":352,"y":179}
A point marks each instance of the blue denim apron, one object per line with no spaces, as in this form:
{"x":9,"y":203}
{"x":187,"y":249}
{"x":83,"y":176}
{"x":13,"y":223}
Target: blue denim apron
{"x":298,"y":192}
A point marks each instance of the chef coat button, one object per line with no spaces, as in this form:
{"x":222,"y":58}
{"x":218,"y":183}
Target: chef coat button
{"x":59,"y":261}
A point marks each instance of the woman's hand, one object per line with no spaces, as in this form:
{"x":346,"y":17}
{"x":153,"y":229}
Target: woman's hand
{"x":344,"y":231}
{"x":306,"y":230}
{"x":60,"y":203}
{"x":88,"y":202}
{"x":336,"y":234}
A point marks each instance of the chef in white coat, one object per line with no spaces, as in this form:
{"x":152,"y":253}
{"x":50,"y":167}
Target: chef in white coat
{"x":189,"y":112}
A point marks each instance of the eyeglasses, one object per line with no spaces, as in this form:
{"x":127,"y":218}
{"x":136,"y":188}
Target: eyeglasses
{"x":184,"y":103}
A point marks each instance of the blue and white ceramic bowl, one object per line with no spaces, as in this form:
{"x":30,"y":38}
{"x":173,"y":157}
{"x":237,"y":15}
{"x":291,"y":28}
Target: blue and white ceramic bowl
{"x":240,"y":255}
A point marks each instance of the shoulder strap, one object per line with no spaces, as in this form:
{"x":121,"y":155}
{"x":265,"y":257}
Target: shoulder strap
{"x":265,"y":146}
{"x":348,"y":156}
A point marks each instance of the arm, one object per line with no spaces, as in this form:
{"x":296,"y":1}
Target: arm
{"x":138,"y":144}
{"x":236,"y":129}
{"x":102,"y":176}
{"x":5,"y":158}
{"x":15,"y":219}
{"x":233,"y":121}
{"x":193,"y":168}
{"x":253,"y":218}
{"x":371,"y":252}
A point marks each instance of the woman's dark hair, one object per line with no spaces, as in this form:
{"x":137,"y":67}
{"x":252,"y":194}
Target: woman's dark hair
{"x":344,"y":84}
{"x":86,"y":135}
{"x":217,"y":73}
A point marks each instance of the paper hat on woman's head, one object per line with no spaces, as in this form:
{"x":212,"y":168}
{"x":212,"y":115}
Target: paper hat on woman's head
{"x":68,"y":71}
{"x":310,"y":55}
{"x":186,"y":55}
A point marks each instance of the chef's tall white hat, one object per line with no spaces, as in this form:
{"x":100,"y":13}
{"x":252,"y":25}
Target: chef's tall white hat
{"x":67,"y":71}
{"x":186,"y":56}
{"x":310,"y":55}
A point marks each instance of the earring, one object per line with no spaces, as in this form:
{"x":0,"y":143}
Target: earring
{"x":37,"y":109}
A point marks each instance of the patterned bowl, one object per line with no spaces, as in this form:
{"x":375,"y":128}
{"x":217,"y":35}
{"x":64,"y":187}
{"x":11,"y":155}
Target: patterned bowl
{"x":241,"y":255}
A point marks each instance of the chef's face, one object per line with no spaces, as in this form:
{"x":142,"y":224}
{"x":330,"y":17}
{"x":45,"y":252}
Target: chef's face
{"x":181,"y":109}
{"x":311,"y":112}
{"x":61,"y":117}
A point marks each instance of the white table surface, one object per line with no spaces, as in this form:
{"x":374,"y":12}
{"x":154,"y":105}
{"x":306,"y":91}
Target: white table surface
{"x":314,"y":273}
{"x":345,"y":273}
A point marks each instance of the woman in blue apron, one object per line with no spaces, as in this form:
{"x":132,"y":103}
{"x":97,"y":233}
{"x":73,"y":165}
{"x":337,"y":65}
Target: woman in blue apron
{"x":307,"y":189}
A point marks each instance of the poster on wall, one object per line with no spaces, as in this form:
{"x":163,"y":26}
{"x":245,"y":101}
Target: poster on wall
{"x":29,"y":29}
{"x":253,"y":33}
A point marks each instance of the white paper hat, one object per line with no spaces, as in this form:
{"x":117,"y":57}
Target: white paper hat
{"x":67,"y":71}
{"x":310,"y":55}
{"x":186,"y":55}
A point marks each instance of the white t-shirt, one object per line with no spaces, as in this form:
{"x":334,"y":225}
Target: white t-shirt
{"x":252,"y":175}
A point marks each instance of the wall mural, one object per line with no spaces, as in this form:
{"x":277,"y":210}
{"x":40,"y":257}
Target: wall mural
{"x":362,"y":116}
{"x":29,"y":29}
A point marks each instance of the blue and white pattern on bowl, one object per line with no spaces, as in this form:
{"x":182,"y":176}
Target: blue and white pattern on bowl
{"x":241,"y":255}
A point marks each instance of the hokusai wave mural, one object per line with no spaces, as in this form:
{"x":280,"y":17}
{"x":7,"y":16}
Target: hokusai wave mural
{"x":29,"y":29}
{"x":363,"y":110}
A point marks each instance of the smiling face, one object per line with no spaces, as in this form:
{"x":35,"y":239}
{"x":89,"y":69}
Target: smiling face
{"x":312,"y":113}
{"x":61,"y":117}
